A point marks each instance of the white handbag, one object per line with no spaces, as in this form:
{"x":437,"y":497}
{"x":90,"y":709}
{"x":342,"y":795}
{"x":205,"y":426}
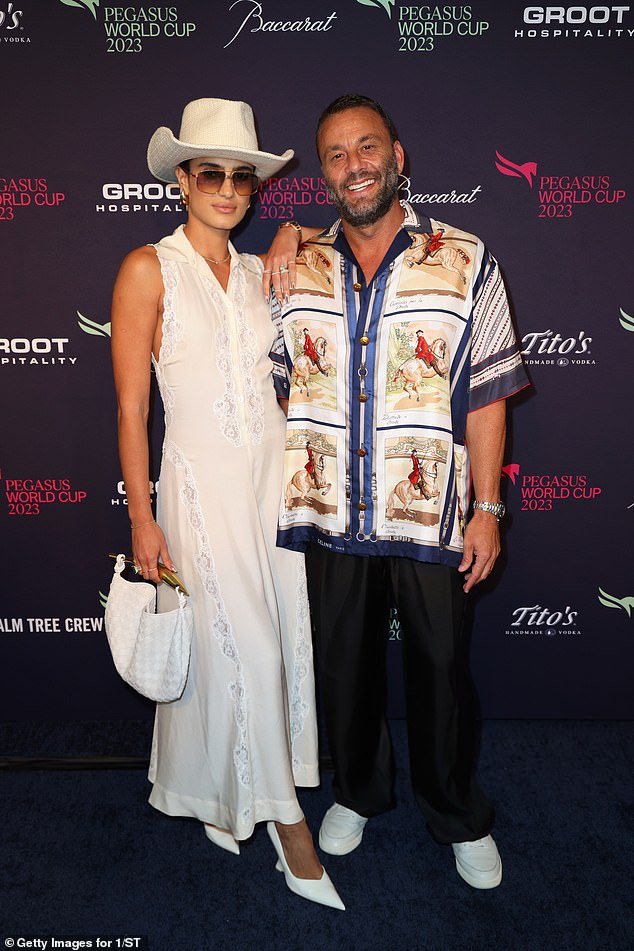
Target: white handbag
{"x":150,"y":651}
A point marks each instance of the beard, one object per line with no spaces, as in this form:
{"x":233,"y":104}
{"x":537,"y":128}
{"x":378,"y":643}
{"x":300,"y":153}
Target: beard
{"x":369,"y":212}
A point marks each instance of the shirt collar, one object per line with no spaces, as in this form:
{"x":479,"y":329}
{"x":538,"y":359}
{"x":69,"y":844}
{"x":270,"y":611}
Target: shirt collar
{"x":401,"y":243}
{"x":402,"y":238}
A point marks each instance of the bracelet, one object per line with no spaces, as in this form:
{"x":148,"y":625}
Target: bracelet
{"x":295,"y":225}
{"x":141,"y":524}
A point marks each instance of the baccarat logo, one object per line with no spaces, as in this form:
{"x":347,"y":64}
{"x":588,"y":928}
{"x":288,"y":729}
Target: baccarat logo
{"x":250,"y":16}
{"x":560,"y":195}
{"x":542,"y":492}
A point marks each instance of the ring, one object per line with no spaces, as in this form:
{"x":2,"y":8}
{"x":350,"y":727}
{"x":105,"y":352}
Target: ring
{"x":274,"y":272}
{"x":267,"y":270}
{"x":283,"y":269}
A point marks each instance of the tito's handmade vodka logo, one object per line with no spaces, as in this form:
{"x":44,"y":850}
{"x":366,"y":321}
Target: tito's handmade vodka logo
{"x":537,"y":620}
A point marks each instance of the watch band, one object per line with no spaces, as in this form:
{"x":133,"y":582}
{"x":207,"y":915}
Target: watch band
{"x":295,"y":225}
{"x":494,"y":508}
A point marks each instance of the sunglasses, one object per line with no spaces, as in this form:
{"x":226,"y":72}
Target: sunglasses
{"x":211,"y":180}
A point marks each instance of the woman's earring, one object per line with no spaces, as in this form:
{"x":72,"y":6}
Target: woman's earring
{"x":184,"y":198}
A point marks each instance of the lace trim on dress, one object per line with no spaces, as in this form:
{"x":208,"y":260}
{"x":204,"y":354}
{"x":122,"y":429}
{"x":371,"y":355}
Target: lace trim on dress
{"x":299,"y":708}
{"x":173,"y":331}
{"x":248,"y":358}
{"x":225,"y":408}
{"x":221,"y":626}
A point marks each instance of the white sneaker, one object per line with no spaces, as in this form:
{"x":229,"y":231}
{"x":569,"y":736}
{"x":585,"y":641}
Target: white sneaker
{"x":479,"y":862}
{"x":341,"y":830}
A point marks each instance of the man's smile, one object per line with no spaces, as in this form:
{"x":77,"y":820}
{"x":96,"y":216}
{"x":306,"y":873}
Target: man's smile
{"x":357,"y":186}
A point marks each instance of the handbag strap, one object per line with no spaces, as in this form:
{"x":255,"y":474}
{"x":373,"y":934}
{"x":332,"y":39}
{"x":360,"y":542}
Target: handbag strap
{"x":120,"y":565}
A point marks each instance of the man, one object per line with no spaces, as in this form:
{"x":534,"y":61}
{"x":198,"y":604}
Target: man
{"x":360,"y":558}
{"x":309,"y":348}
{"x":310,"y":465}
{"x":424,"y":353}
{"x":414,"y":476}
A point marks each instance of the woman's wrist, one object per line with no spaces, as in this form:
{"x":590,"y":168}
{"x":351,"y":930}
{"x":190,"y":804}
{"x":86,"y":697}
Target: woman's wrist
{"x":295,"y":225}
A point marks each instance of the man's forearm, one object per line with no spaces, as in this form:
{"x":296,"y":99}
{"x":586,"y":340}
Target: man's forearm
{"x":486,"y":435}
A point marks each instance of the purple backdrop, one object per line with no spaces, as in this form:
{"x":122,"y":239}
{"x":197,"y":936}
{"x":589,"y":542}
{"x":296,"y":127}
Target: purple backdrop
{"x":515,"y":123}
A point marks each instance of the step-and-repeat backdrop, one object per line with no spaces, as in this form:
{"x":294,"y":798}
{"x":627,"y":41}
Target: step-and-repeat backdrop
{"x":516,"y":121}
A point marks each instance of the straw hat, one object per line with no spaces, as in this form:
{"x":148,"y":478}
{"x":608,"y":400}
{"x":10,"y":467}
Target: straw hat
{"x":212,"y":128}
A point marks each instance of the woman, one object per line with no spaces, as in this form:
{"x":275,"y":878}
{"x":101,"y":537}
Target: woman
{"x":230,"y":751}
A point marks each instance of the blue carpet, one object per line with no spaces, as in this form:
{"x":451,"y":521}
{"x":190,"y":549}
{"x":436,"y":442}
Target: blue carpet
{"x":83,"y":853}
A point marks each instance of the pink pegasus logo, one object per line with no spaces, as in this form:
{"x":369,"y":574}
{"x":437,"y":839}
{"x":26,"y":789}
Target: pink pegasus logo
{"x":506,"y":167}
{"x":512,"y":471}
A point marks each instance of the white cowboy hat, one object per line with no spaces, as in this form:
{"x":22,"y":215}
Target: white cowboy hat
{"x":214,"y":128}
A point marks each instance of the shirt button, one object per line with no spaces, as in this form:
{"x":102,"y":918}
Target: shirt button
{"x":364,"y":341}
{"x":361,"y":506}
{"x":363,"y":398}
{"x":357,"y":286}
{"x":362,"y":452}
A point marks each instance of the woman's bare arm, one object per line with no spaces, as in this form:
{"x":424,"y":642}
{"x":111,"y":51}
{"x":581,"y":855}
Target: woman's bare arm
{"x":136,"y":332}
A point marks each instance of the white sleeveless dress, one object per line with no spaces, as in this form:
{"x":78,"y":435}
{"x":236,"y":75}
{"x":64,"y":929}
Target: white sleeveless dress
{"x":244,"y":733}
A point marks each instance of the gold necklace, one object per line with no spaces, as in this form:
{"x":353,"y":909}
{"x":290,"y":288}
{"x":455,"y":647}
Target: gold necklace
{"x":213,"y":261}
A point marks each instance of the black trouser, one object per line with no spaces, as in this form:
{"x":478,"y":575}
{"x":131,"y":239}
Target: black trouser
{"x":350,"y":599}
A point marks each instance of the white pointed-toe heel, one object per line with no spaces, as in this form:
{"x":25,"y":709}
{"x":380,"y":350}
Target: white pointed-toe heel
{"x":222,"y":838}
{"x":319,"y":890}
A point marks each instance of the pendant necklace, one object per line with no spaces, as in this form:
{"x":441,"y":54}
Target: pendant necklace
{"x":213,"y":261}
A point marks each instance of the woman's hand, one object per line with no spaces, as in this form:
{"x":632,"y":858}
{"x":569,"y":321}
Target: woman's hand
{"x":279,"y":264}
{"x":148,"y":548}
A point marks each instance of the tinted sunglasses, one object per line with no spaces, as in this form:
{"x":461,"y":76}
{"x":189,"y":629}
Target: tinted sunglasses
{"x":211,"y":180}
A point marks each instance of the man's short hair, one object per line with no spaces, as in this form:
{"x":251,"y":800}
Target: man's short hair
{"x":356,"y":101}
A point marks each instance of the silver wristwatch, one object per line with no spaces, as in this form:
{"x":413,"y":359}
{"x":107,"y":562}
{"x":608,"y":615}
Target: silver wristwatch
{"x":495,"y":508}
